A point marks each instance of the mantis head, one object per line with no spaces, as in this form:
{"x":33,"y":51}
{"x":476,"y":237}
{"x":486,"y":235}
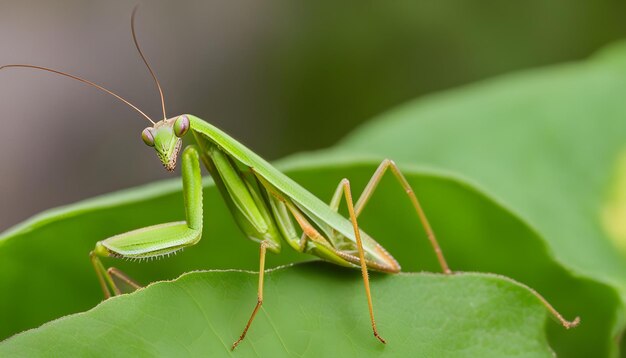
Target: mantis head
{"x":165,"y":136}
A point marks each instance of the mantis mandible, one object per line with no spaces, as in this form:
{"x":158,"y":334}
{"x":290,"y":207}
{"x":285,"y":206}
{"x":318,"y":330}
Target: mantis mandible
{"x":267,"y":205}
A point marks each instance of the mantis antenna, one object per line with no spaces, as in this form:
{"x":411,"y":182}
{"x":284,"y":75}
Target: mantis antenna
{"x":83,"y":81}
{"x":132,"y":29}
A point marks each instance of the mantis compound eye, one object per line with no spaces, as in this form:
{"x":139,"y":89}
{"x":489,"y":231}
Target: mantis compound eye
{"x":148,"y":137}
{"x":181,"y":126}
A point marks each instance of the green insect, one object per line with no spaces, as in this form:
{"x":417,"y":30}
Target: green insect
{"x":269,"y":207}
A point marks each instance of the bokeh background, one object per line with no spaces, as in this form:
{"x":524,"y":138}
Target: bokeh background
{"x":281,"y":76}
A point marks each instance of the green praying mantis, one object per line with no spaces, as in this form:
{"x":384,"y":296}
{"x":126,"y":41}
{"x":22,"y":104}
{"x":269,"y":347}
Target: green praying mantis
{"x":268,"y":206}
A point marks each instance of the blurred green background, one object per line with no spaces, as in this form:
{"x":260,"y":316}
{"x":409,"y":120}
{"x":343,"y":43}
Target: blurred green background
{"x":281,"y":76}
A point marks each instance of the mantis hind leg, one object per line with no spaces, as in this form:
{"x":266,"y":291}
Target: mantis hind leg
{"x":158,"y":240}
{"x":345,"y":183}
{"x":369,"y":190}
{"x":371,"y":187}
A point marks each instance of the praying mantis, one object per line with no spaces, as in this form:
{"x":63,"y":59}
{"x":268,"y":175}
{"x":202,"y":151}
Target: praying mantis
{"x":269,"y":207}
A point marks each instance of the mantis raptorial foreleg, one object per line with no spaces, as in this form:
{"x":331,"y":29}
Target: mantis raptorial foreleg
{"x":157,"y":240}
{"x":242,"y":197}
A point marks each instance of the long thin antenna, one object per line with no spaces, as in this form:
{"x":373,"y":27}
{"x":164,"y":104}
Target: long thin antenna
{"x":81,"y":80}
{"x":132,"y":28}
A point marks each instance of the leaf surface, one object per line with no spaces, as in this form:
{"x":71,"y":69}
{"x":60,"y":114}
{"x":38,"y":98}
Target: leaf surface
{"x":202,"y":313}
{"x":46,"y":271}
{"x":549,"y":144}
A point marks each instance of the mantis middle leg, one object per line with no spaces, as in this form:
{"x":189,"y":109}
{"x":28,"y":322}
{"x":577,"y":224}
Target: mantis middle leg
{"x":246,"y":203}
{"x":259,"y":301}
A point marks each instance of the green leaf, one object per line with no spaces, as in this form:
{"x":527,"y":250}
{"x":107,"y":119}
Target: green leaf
{"x":45,"y":272}
{"x":202,"y":313}
{"x":546,"y":143}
